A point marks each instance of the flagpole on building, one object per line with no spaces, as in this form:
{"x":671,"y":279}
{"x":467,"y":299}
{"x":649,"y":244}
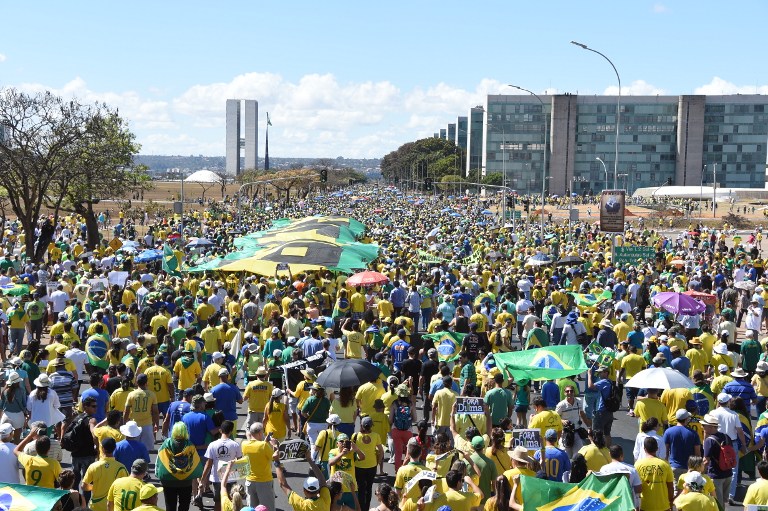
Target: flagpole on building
{"x":266,"y":145}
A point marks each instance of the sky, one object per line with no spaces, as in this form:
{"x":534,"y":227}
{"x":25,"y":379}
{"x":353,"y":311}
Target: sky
{"x":359,"y":79}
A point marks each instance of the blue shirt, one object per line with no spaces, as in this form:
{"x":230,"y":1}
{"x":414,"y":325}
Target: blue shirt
{"x":127,"y":451}
{"x":439,"y":385}
{"x":198,"y":425}
{"x":227,"y":396}
{"x":102,"y":398}
{"x":399,"y":352}
{"x":603,"y":393}
{"x":742,"y":389}
{"x":664,"y":350}
{"x":680,"y":442}
{"x":556,"y":463}
{"x":636,"y":339}
{"x":176,"y":411}
{"x":550,"y":391}
{"x":397,"y":297}
{"x":683,"y":365}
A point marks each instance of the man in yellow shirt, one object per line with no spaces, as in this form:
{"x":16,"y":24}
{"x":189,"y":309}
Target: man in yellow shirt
{"x":630,"y":364}
{"x":108,"y":428}
{"x":260,"y":455}
{"x":457,"y":499}
{"x":211,"y":336}
{"x":317,"y":495}
{"x":160,"y":381}
{"x":657,"y":478}
{"x":357,"y":303}
{"x":355,"y":339}
{"x":258,"y":393}
{"x":100,"y":475}
{"x":39,"y":470}
{"x":757,"y":493}
{"x":409,"y":469}
{"x":187,"y":369}
{"x":211,"y":374}
{"x":367,"y":393}
{"x":123,"y":494}
{"x":545,"y":419}
{"x":141,"y":406}
{"x":442,"y":404}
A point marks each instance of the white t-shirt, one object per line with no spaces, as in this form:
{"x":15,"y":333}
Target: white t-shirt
{"x":59,"y":299}
{"x":221,"y":451}
{"x":79,"y":358}
{"x":729,"y":421}
{"x":9,"y":464}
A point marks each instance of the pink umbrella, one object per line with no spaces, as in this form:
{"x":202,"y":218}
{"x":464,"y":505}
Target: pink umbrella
{"x":367,"y":278}
{"x":678,"y":303}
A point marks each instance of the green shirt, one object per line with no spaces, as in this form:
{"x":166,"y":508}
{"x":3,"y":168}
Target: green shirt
{"x":316,"y":412}
{"x":750,"y":352}
{"x":35,"y":309}
{"x":487,"y":474}
{"x":468,"y":375}
{"x":498,"y":400}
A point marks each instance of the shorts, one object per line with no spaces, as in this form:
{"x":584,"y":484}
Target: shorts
{"x":603,"y":421}
{"x":163,"y":407}
{"x":292,"y":405}
{"x":15,"y":419}
{"x":67,"y":411}
{"x":631,"y":392}
{"x":217,"y":491}
{"x":521,"y":408}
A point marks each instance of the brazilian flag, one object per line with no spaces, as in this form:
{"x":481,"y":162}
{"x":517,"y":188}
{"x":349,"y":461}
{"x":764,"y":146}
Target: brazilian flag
{"x":20,"y":497}
{"x":170,"y":262}
{"x":447,"y":344}
{"x":590,"y":300}
{"x":301,"y":256}
{"x":595,"y":493}
{"x":96,"y":348}
{"x":548,"y":363}
{"x":182,"y":466}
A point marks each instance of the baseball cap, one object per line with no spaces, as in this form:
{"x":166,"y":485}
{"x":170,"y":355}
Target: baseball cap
{"x":275,"y":330}
{"x":333,"y":419}
{"x":217,"y":355}
{"x":312,"y":484}
{"x":148,"y":491}
{"x":366,"y":422}
{"x":6,"y":429}
{"x":722,"y":368}
{"x":682,"y":415}
{"x":223,"y":371}
{"x":550,"y":434}
{"x":209,"y":398}
{"x":724,"y":398}
{"x":131,"y":346}
{"x":478,"y":442}
{"x":189,"y":392}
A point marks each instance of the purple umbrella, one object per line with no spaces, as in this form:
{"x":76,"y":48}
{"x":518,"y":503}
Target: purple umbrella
{"x":678,"y":303}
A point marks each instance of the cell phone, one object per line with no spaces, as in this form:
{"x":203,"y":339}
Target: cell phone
{"x":268,"y":437}
{"x":347,"y":444}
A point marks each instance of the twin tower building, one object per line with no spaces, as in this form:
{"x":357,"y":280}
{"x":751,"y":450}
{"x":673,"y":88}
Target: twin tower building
{"x":249,"y":127}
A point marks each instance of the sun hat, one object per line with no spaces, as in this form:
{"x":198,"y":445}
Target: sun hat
{"x":724,"y":397}
{"x":739,"y":373}
{"x":262,"y":371}
{"x":606,"y":322}
{"x":762,"y":366}
{"x":710,"y":420}
{"x":309,"y":373}
{"x":520,"y":454}
{"x":148,"y":491}
{"x":720,"y":349}
{"x":333,"y":419}
{"x":402,"y":390}
{"x":695,"y":341}
{"x":42,"y":381}
{"x":317,"y":386}
{"x":130,"y":429}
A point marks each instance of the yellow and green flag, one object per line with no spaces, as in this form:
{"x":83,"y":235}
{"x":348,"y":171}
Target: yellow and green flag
{"x":447,"y":344}
{"x":182,"y":466}
{"x":170,"y":262}
{"x":20,"y":497}
{"x":549,"y":363}
{"x":609,"y":492}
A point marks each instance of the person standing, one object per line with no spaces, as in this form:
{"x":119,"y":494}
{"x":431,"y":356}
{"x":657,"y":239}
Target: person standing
{"x":442,"y":404}
{"x":713,"y":441}
{"x":730,"y":424}
{"x":603,"y":418}
{"x":39,"y":470}
{"x":681,"y":443}
{"x":258,"y":393}
{"x":656,"y":478}
{"x":100,"y":475}
{"x":124,"y":492}
{"x":315,"y":412}
{"x":218,"y":452}
{"x":556,"y":461}
{"x":617,"y":466}
{"x":141,"y":407}
{"x":227,"y":397}
{"x":691,"y":498}
{"x":9,"y":464}
{"x":757,"y":493}
{"x":370,"y":444}
{"x":178,"y":467}
{"x":571,"y":409}
{"x":260,"y":454}
{"x":499,"y":400}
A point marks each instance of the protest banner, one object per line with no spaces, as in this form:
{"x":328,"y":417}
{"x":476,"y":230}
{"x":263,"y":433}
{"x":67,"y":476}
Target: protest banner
{"x":240,"y":469}
{"x":469,"y":405}
{"x":117,"y":278}
{"x":292,"y":370}
{"x":99,"y":285}
{"x":293,"y":450}
{"x":528,"y":438}
{"x":612,"y":210}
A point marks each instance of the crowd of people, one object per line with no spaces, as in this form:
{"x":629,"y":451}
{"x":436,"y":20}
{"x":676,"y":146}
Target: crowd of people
{"x":186,"y":353}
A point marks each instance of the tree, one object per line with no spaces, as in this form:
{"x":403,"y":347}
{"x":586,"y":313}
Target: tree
{"x":42,"y":135}
{"x":223,"y":180}
{"x":434,"y":157}
{"x":494,"y":178}
{"x":103,"y":170}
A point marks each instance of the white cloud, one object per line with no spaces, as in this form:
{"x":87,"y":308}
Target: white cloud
{"x":636,"y":88}
{"x":718,"y":86}
{"x":660,"y":8}
{"x":2,"y":57}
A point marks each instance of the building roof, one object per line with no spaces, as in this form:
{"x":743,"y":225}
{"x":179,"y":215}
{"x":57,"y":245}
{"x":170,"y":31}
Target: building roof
{"x":202,"y":176}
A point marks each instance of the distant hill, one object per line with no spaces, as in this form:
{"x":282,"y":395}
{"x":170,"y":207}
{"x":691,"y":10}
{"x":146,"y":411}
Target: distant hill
{"x":161,"y":164}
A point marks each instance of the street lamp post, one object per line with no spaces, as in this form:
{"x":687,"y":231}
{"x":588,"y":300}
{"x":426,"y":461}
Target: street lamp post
{"x":544,"y":162}
{"x":618,"y":110}
{"x":605,"y":170}
{"x":503,"y":173}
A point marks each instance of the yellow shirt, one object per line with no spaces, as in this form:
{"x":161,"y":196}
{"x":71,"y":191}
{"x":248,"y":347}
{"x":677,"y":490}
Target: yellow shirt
{"x":515,"y":473}
{"x":650,"y":407}
{"x":546,"y":420}
{"x":187,"y":375}
{"x":595,"y":457}
{"x":655,"y":474}
{"x":124,"y":493}
{"x":103,"y":432}
{"x":674,"y":400}
{"x":212,"y":339}
{"x":632,"y":364}
{"x":259,"y":456}
{"x":211,"y":375}
{"x":141,"y":403}
{"x":322,"y":503}
{"x":444,"y":399}
{"x":39,"y":471}
{"x":355,"y":341}
{"x":709,"y":485}
{"x":346,"y":464}
{"x":157,"y":321}
{"x":407,"y":472}
{"x":694,"y":501}
{"x":54,"y":366}
{"x":118,"y":399}
{"x":501,"y":459}
{"x":100,"y":475}
{"x":757,"y":493}
{"x":367,"y":443}
{"x":718,"y":382}
{"x":326,"y":440}
{"x":159,"y":380}
{"x":302,"y":393}
{"x":461,"y":500}
{"x":367,"y":394}
{"x":257,"y":393}
{"x":275,"y":424}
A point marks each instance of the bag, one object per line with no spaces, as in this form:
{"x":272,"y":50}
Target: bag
{"x":78,"y":431}
{"x":582,"y":337}
{"x":613,"y":403}
{"x":727,"y":459}
{"x":403,"y":420}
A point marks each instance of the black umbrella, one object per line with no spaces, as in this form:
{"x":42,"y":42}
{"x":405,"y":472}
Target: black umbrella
{"x":348,"y":373}
{"x":570,"y":261}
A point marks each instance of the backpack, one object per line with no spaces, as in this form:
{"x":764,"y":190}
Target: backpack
{"x":727,"y":459}
{"x":613,"y":403}
{"x":403,"y":420}
{"x":78,"y":432}
{"x":81,"y":329}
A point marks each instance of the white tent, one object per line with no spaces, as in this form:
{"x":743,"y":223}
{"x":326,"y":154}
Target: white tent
{"x":202,"y":176}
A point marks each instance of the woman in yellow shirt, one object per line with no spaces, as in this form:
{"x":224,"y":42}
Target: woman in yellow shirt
{"x":276,"y":415}
{"x":120,"y":396}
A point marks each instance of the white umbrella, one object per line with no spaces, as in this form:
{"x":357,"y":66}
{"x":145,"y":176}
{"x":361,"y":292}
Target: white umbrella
{"x":659,"y":378}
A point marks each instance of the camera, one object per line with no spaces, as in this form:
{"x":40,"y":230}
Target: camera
{"x":347,"y":444}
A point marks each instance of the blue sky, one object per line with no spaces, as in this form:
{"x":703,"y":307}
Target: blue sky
{"x":358,"y":79}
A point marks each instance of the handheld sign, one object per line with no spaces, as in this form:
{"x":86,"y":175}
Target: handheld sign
{"x":240,"y":469}
{"x":293,"y":450}
{"x":528,"y":438}
{"x":424,"y":474}
{"x":469,"y":405}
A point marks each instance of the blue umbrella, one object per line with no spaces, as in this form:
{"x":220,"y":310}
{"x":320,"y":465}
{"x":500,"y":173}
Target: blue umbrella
{"x":455,"y":214}
{"x":149,"y":256}
{"x":482,"y":224}
{"x":199,"y":242}
{"x":445,"y":210}
{"x":487,"y":212}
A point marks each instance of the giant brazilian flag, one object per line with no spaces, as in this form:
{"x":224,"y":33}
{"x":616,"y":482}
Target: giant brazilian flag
{"x":547,"y":363}
{"x":595,"y":493}
{"x":182,"y":466}
{"x":20,"y":497}
{"x":447,"y":344}
{"x":96,"y":348}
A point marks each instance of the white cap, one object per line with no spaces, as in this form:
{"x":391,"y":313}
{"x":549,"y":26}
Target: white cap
{"x":131,"y":347}
{"x":312,"y":484}
{"x":217,"y":355}
{"x":275,"y":330}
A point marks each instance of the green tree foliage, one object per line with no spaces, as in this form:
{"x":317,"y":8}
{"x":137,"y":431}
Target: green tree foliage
{"x":439,"y":157}
{"x":494,"y":178}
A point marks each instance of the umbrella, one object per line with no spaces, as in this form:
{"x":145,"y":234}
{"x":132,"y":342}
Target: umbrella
{"x":746,"y":285}
{"x":678,"y":303}
{"x":677,"y":262}
{"x":707,"y":298}
{"x":487,"y":212}
{"x":349,"y":372}
{"x":149,"y":256}
{"x":174,"y":235}
{"x":570,"y":260}
{"x":199,"y":242}
{"x":659,"y":378}
{"x":538,"y":260}
{"x":367,"y":278}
